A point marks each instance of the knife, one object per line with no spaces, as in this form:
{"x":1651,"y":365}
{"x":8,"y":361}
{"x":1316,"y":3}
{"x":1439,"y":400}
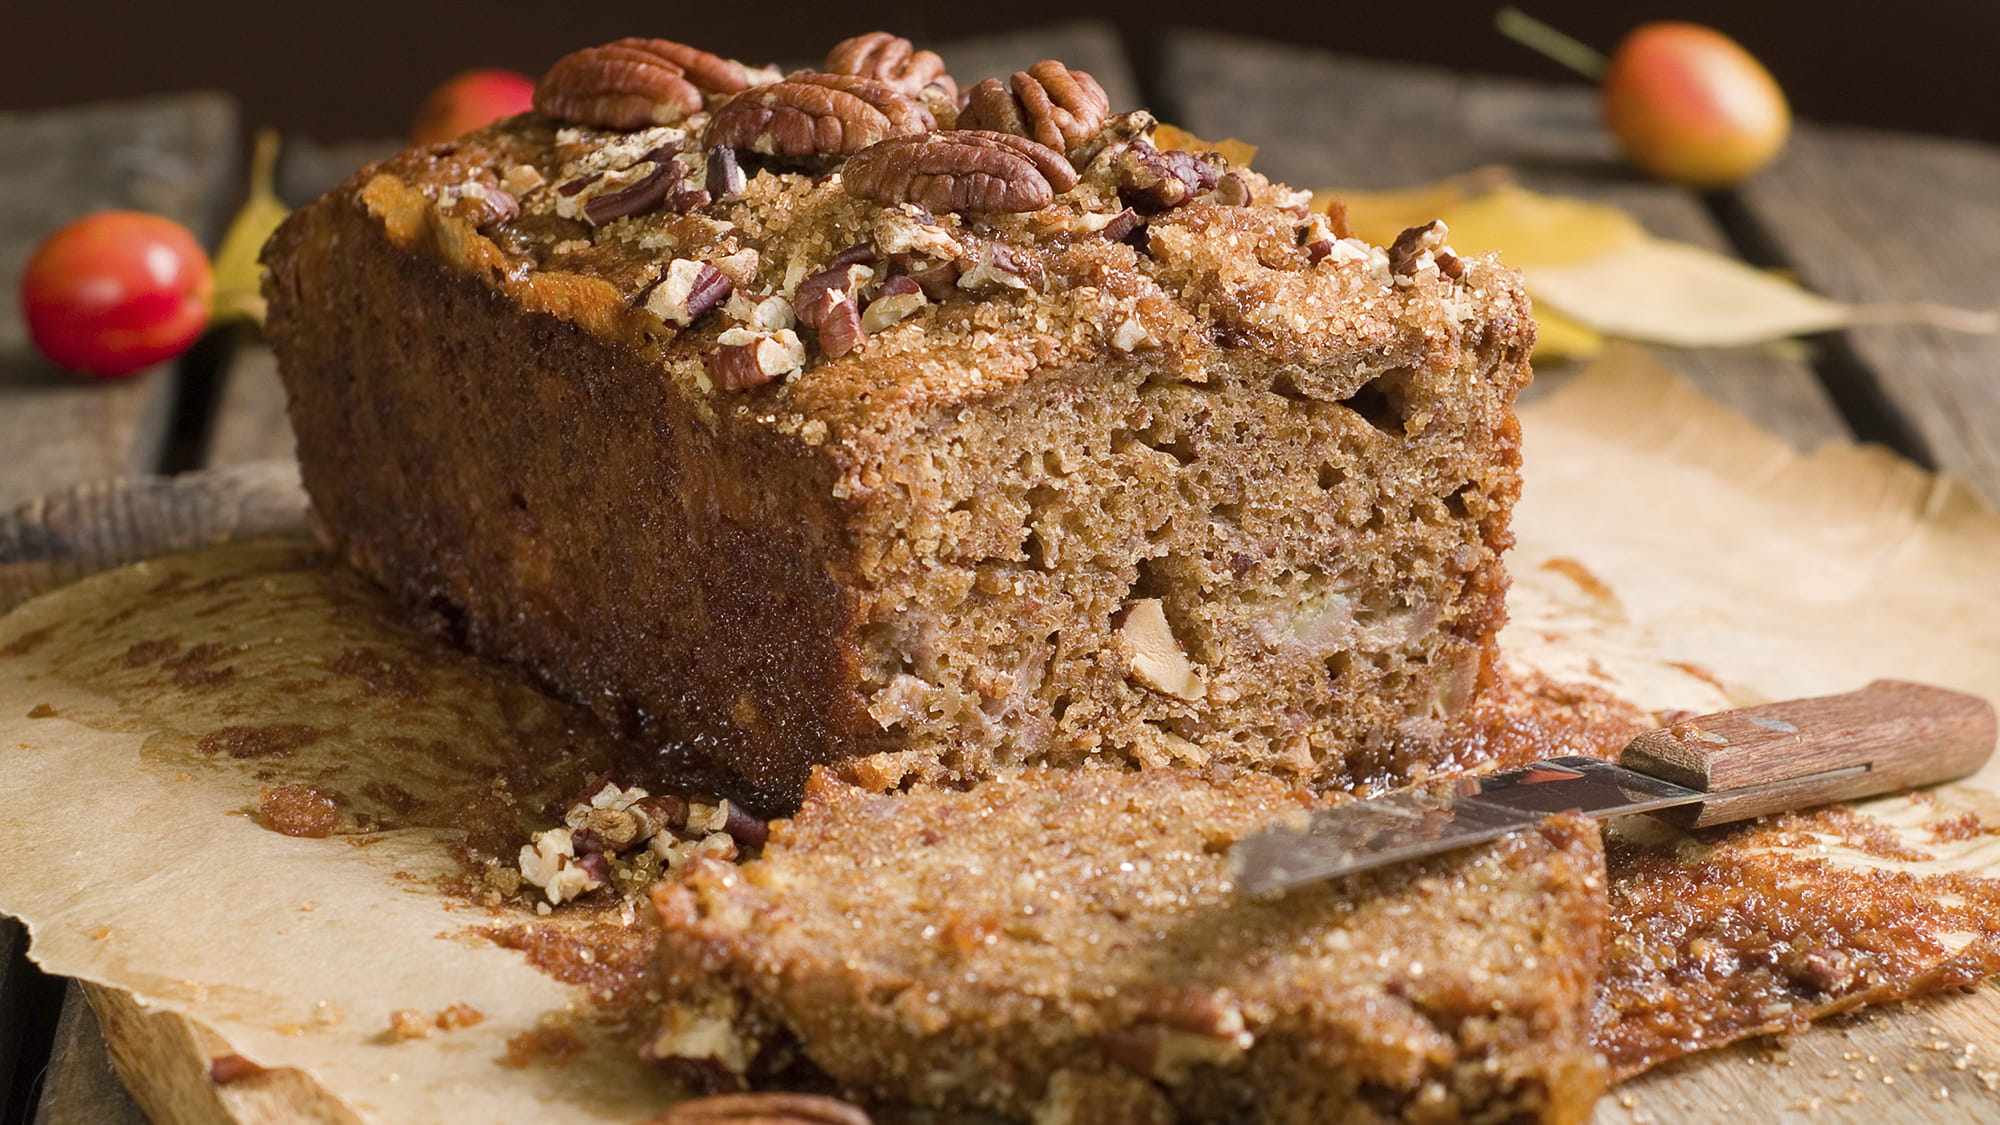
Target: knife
{"x":1729,"y":766}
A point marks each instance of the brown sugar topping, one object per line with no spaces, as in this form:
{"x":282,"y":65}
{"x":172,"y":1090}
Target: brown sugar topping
{"x":663,"y":191}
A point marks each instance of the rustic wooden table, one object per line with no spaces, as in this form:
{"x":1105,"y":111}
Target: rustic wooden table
{"x":1859,"y":215}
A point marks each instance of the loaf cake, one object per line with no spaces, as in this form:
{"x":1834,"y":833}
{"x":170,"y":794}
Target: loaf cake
{"x":836,"y":416}
{"x":1066,"y":946}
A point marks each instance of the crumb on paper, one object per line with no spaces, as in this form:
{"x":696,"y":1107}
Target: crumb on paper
{"x":407,"y":1023}
{"x":458,"y":1016}
{"x":548,"y":1043}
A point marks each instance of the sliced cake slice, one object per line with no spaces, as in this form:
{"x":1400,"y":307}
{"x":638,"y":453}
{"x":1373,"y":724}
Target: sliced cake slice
{"x":1067,"y":947}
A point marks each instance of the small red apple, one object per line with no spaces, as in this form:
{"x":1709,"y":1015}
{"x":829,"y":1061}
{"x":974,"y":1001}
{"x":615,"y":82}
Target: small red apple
{"x":116,"y":292}
{"x":1688,"y":104}
{"x":471,"y":100}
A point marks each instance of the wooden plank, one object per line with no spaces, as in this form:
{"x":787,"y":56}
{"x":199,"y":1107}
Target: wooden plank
{"x":1869,"y":216}
{"x":81,"y":1088}
{"x":1325,"y":120}
{"x":167,"y":155}
{"x":250,"y":423}
{"x":1935,"y":1060}
{"x":170,"y":1059}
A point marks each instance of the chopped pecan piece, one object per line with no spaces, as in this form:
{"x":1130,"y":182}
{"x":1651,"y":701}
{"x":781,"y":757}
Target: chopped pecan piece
{"x":725,"y":179}
{"x":937,"y":282}
{"x":1152,"y":181}
{"x":632,"y":83}
{"x":747,"y":359}
{"x":996,"y":265}
{"x":762,"y":1109}
{"x":1232,"y":190}
{"x":1418,"y":246}
{"x":829,"y":309}
{"x":961,"y":170}
{"x":892,"y":59}
{"x":687,"y":290}
{"x":1047,"y":102}
{"x":895,"y":302}
{"x":1121,"y":226}
{"x":846,"y":277}
{"x":637,"y":198}
{"x":814,"y":114}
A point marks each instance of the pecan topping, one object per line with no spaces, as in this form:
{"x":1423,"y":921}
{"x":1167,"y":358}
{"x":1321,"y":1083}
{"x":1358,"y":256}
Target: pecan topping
{"x":1047,"y":102}
{"x":687,"y":290}
{"x":898,"y":299}
{"x":961,"y":170}
{"x":748,"y":359}
{"x":725,"y":179}
{"x":1418,"y":246}
{"x":1121,"y":226}
{"x":812,"y":114}
{"x":1232,"y":190}
{"x":892,"y":59}
{"x":762,"y":1109}
{"x":837,"y":319}
{"x":632,"y":83}
{"x":637,"y":198}
{"x":826,"y":303}
{"x":1153,"y":181}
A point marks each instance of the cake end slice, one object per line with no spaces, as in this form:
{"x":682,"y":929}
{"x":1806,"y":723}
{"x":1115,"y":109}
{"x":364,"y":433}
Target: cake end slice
{"x":1067,"y":947}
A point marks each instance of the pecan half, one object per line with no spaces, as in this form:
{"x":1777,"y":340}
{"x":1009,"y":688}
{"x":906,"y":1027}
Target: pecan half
{"x":961,"y":170}
{"x":1047,"y":102}
{"x":892,"y":59}
{"x":762,"y":1109}
{"x":632,"y":83}
{"x":812,"y":114}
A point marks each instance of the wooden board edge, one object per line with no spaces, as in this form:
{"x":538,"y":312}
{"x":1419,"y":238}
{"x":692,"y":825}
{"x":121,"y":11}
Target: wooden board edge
{"x":165,"y":1060}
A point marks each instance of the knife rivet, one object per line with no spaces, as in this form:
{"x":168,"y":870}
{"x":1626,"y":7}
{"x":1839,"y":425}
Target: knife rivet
{"x":1779,"y":725}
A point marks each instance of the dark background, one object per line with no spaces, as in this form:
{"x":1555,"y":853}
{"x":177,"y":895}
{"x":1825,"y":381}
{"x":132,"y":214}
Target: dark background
{"x":358,"y":69}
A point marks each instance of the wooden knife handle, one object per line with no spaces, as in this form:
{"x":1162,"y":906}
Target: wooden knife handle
{"x":1903,"y":734}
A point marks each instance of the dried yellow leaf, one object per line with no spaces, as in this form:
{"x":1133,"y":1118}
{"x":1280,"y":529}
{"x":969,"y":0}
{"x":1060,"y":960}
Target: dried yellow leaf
{"x":1488,"y":213}
{"x":1557,"y":337}
{"x":1237,"y":152}
{"x":1594,"y":272}
{"x":238,"y":275}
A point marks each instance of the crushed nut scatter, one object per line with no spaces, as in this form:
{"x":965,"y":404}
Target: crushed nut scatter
{"x":616,"y":828}
{"x":716,"y":198}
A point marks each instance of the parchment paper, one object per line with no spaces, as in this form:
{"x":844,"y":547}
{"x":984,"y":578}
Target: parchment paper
{"x":1668,"y":551}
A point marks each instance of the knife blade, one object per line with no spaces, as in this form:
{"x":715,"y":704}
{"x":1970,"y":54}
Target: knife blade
{"x":1732,"y":765}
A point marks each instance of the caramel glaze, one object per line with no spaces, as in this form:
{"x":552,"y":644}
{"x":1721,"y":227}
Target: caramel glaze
{"x":1717,"y":936}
